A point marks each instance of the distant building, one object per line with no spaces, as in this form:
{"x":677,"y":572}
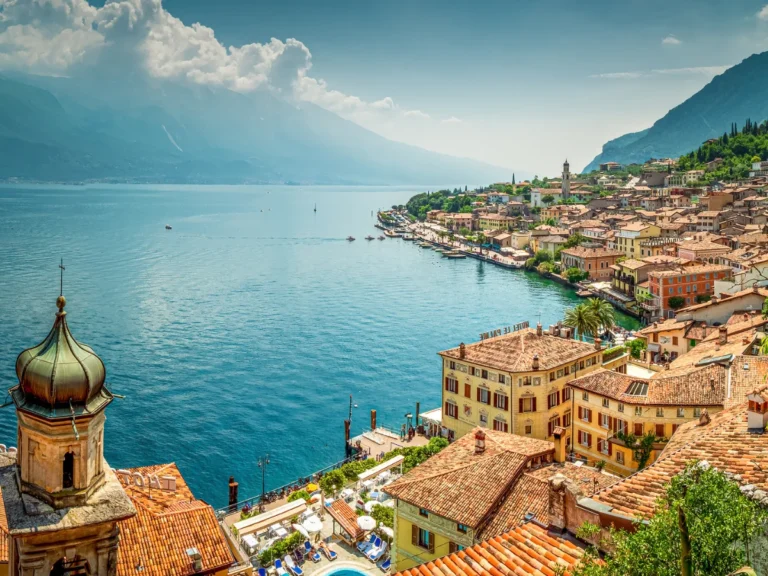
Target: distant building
{"x":566,"y":184}
{"x":596,"y":262}
{"x":610,"y":167}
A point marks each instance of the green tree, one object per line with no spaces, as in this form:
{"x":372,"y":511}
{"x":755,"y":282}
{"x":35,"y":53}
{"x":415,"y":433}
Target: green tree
{"x":676,"y":302}
{"x":702,"y":525}
{"x":544,"y":268}
{"x":464,"y":231}
{"x":581,"y":319}
{"x":575,"y":275}
{"x":383,"y":515}
{"x":548,"y":199}
{"x":636,"y":347}
{"x":603,"y":311}
{"x":332,"y":481}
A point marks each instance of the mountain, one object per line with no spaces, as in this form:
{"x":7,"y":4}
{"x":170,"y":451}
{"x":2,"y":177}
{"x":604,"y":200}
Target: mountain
{"x":141,"y":130}
{"x":738,"y":93}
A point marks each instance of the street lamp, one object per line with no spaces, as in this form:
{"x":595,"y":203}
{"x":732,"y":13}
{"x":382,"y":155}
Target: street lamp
{"x":262,"y":463}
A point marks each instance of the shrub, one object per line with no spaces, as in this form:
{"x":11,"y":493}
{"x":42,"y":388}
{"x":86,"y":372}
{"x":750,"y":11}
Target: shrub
{"x":353,"y":469}
{"x":635,"y":347}
{"x":676,"y":302}
{"x":575,"y":275}
{"x":281,"y":548}
{"x":298,"y":494}
{"x":383,"y":515}
{"x":332,"y":481}
{"x":544,"y":268}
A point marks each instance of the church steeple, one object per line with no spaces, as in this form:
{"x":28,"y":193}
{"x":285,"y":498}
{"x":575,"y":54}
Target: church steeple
{"x":565,"y":189}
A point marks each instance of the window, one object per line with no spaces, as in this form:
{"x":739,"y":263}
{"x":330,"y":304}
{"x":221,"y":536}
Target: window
{"x":452,"y":365}
{"x":461,"y":528}
{"x":483,"y":396}
{"x":620,"y":407}
{"x":500,"y":424}
{"x":638,"y":429}
{"x":581,"y":365}
{"x":606,"y":403}
{"x":528,"y":428}
{"x":451,"y":385}
{"x":566,"y":394}
{"x":585,"y":414}
{"x":422,"y":538}
{"x":553,"y":399}
{"x":638,"y":410}
{"x":660,"y":430}
{"x":537,"y":381}
{"x":659,"y":412}
{"x":483,"y":419}
{"x":585,"y":439}
{"x":552,"y":424}
{"x":620,"y":457}
{"x":604,"y":421}
{"x":502,"y":379}
{"x":603,"y":446}
{"x":585,"y":396}
{"x":527,"y":405}
{"x":501,"y":401}
{"x":468,"y":390}
{"x":551,"y":376}
{"x":484,"y":374}
{"x":453,"y":547}
{"x":696,"y":412}
{"x":559,"y":373}
{"x":423,"y":513}
{"x":566,"y":419}
{"x":681,"y":412}
{"x":674,"y":340}
{"x":451,"y":410}
{"x":567,"y":370}
{"x":675,"y":427}
{"x":68,"y":472}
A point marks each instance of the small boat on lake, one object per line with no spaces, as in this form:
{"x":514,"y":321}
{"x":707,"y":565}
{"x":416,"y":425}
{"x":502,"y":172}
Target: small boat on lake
{"x":350,"y":238}
{"x":382,"y":237}
{"x":168,"y":227}
{"x":408,"y":237}
{"x":455,"y":255}
{"x":392,"y":234}
{"x":369,"y":237}
{"x":425,"y":244}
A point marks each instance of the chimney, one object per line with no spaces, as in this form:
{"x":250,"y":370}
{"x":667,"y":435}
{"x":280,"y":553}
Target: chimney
{"x":722,"y":335}
{"x":538,"y":329}
{"x":666,"y":366}
{"x":757,"y":412}
{"x":535,"y":362}
{"x":462,"y":351}
{"x":560,"y":441}
{"x":479,"y":442}
{"x":373,"y":419}
{"x":232,"y":492}
{"x":756,"y":288}
{"x":598,"y":344}
{"x":196,"y":558}
{"x":704,"y":418}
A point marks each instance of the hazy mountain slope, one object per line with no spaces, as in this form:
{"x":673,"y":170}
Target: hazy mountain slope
{"x":738,"y":93}
{"x":144,"y":130}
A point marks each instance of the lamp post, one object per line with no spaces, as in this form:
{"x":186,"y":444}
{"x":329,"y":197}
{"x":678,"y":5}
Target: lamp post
{"x":262,"y":463}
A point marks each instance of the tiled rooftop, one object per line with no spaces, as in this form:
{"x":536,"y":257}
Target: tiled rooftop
{"x":528,"y":550}
{"x":582,"y":252}
{"x":514,"y":352}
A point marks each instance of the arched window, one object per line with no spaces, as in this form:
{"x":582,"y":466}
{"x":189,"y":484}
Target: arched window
{"x":68,"y":477}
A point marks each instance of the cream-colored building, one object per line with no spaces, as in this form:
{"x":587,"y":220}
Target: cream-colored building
{"x":514,"y":382}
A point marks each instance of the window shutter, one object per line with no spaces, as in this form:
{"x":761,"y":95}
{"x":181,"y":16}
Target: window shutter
{"x":446,"y":382}
{"x":549,"y":428}
{"x":589,"y":413}
{"x":558,"y":398}
{"x":533,"y":401}
{"x":431,"y":542}
{"x":495,"y":400}
{"x":610,"y":448}
{"x":468,"y":390}
{"x":414,"y":535}
{"x":589,"y":440}
{"x":579,"y":412}
{"x":478,"y":394}
{"x":521,"y":405}
{"x":578,"y":434}
{"x":506,"y":402}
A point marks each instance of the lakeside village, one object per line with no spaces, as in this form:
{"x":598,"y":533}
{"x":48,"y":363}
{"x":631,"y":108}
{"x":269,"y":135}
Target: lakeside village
{"x":548,"y":455}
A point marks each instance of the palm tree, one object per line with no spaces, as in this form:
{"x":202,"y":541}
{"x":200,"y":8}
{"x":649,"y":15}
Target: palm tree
{"x":480,"y":239}
{"x":603,"y":312}
{"x":582,"y":319}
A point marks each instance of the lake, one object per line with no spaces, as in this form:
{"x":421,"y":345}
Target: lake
{"x":244,"y":330}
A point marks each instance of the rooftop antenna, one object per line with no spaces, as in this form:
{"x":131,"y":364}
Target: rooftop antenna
{"x":61,"y":280}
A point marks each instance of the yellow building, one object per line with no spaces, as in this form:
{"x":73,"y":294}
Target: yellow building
{"x":494,"y":222}
{"x":629,"y":237}
{"x":514,"y":382}
{"x":479,"y":487}
{"x":628,"y":274}
{"x":608,"y":404}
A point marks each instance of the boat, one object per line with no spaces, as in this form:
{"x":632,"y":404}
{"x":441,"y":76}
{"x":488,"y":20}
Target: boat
{"x":439,"y":250}
{"x":584,"y":293}
{"x":392,"y":234}
{"x":425,"y":244}
{"x":315,"y":207}
{"x":369,"y":237}
{"x":382,"y":237}
{"x":350,"y":238}
{"x":408,"y":237}
{"x":168,"y":227}
{"x":450,"y":252}
{"x":455,"y":255}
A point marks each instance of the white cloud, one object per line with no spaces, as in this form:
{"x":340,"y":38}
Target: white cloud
{"x":763,"y":13}
{"x":618,"y":75}
{"x":451,"y":120}
{"x":416,"y":114}
{"x":697,"y":70}
{"x":671,"y":41}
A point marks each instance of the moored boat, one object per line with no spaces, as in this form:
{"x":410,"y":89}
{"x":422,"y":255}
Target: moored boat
{"x":369,"y":237}
{"x":350,"y":238}
{"x":168,"y":227}
{"x":391,"y":234}
{"x":455,"y":255}
{"x":382,"y":237}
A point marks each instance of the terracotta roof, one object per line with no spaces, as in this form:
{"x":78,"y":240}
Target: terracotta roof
{"x":635,"y":227}
{"x":725,"y":443}
{"x":702,"y":245}
{"x":633,"y":264}
{"x":724,"y":298}
{"x":527,"y":550}
{"x":346,"y":517}
{"x":701,"y":269}
{"x":741,"y":324}
{"x":704,"y":386}
{"x":582,"y":252}
{"x":665,"y":326}
{"x":514,"y":352}
{"x":3,"y":533}
{"x":462,"y":485}
{"x":155,"y":541}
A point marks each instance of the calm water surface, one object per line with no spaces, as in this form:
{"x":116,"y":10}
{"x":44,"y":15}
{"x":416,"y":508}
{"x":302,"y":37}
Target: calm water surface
{"x":244,"y":330}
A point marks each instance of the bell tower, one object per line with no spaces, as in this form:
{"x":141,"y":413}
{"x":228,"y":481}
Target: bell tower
{"x":65,"y":500}
{"x":565,"y":189}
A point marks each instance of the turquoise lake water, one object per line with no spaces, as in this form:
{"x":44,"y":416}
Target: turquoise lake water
{"x":244,"y":330}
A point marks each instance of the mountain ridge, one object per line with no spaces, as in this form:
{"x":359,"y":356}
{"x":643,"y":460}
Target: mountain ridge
{"x":738,"y":93}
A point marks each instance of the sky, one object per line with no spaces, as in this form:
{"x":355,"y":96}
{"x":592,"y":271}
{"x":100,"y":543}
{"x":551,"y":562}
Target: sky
{"x":516,"y":83}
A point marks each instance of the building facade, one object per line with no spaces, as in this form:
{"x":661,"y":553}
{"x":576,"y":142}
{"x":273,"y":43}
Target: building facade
{"x":596,"y":262}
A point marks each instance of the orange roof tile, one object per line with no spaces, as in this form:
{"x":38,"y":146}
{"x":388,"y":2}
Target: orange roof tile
{"x":166,"y":525}
{"x":346,"y":517}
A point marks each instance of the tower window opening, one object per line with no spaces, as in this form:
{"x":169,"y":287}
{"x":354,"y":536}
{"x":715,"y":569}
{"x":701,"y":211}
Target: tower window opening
{"x":69,"y":470}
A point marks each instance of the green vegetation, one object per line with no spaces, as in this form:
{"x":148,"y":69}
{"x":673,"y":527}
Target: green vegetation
{"x":383,"y":515}
{"x":676,"y":302}
{"x":545,"y":268}
{"x":703,"y":525}
{"x":446,"y":200}
{"x":700,"y":298}
{"x":415,"y":455}
{"x":303,"y":494}
{"x":576,"y":275}
{"x":582,"y":319}
{"x":641,"y":446}
{"x":332,"y":481}
{"x":636,"y":347}
{"x":603,"y":312}
{"x":281,"y":548}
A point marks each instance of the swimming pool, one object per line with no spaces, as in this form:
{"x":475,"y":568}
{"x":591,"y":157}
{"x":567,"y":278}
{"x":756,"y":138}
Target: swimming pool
{"x":345,"y":571}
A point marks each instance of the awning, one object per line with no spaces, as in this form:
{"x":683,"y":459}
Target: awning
{"x":373,"y":472}
{"x":617,"y":295}
{"x":653,"y":347}
{"x":433,"y":416}
{"x":341,"y":512}
{"x":258,"y":523}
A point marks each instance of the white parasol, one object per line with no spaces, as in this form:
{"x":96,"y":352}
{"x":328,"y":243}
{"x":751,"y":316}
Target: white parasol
{"x":301,"y":529}
{"x":312,"y":524}
{"x":387,"y":530}
{"x":366,"y":522}
{"x":369,"y":506}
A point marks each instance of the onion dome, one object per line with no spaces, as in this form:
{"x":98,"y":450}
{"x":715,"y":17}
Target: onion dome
{"x":60,"y":377}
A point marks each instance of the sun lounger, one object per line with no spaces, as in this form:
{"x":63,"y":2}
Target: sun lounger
{"x":298,"y":556}
{"x":375,"y":547}
{"x":295,"y":570}
{"x":386,"y":565}
{"x":279,"y":567}
{"x":262,"y":572}
{"x":374,"y":555}
{"x":366,"y":546}
{"x":330,"y":554}
{"x":314,"y":555}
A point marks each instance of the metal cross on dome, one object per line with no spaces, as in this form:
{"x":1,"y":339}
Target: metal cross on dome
{"x":61,"y":281}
